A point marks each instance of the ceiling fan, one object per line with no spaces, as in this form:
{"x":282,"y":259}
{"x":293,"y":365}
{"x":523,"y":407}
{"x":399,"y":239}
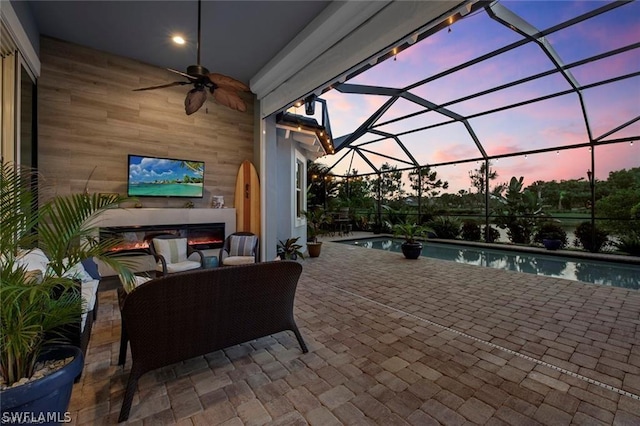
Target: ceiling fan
{"x":223,"y":88}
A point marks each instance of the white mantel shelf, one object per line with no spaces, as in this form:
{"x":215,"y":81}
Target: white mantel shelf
{"x":167,"y":216}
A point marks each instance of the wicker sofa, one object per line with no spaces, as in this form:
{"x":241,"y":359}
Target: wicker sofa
{"x":181,"y":316}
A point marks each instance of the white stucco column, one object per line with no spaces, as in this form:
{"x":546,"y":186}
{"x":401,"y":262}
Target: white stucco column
{"x":269,"y":188}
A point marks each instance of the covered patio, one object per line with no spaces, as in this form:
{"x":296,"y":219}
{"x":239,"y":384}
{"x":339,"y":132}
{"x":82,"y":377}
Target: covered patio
{"x":394,"y":341}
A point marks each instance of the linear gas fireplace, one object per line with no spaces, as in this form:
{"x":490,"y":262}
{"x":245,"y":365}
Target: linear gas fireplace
{"x":137,"y":238}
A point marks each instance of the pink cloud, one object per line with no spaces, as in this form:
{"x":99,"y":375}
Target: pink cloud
{"x":455,"y":152}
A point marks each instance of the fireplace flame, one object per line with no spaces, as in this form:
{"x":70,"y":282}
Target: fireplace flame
{"x":144,"y":245}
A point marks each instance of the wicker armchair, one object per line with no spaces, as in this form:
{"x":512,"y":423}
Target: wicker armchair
{"x":239,"y":248}
{"x":173,"y":259}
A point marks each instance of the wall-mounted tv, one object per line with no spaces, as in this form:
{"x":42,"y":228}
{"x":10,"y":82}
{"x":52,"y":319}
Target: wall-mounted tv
{"x":165,"y":177}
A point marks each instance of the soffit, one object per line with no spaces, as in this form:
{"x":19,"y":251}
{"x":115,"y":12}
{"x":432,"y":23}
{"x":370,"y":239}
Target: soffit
{"x":238,"y":37}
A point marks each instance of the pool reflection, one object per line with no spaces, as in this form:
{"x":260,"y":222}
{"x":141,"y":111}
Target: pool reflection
{"x":604,"y":273}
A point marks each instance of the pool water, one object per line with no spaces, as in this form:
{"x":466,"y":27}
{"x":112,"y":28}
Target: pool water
{"x":586,"y":270}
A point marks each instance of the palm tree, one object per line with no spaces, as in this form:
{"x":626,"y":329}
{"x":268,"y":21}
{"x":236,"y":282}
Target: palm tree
{"x":478,"y":176}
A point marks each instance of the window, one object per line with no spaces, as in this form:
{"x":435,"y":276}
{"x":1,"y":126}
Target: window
{"x":300,"y":177}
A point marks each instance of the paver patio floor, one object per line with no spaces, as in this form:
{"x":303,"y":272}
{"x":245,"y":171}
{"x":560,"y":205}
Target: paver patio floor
{"x":394,"y":341}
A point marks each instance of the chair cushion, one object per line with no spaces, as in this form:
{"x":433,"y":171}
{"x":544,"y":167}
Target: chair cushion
{"x":33,"y":260}
{"x":138,"y":280}
{"x":91,"y":267}
{"x":242,"y":245}
{"x":88,"y":297}
{"x":239,"y":260}
{"x":78,"y":272}
{"x":141,"y":280}
{"x":186,"y":265}
{"x":173,"y":250}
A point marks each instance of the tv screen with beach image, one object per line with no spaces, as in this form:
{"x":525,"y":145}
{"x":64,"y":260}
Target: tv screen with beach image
{"x":165,"y":177}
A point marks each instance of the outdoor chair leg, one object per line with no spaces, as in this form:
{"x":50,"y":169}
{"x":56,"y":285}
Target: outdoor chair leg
{"x":128,"y":396}
{"x":303,"y":346}
{"x":124,"y":341}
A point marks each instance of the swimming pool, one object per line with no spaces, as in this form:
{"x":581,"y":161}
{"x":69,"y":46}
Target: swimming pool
{"x":577,"y":269}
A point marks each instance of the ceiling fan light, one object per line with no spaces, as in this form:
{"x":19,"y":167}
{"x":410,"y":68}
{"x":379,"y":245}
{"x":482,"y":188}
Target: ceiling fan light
{"x":178,"y":40}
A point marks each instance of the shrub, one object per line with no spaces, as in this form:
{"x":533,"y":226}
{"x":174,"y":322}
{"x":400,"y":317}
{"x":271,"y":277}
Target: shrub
{"x":584,"y":235}
{"x":520,"y":231}
{"x":492,"y":235}
{"x":618,"y":208}
{"x":629,"y":243}
{"x":446,"y":227}
{"x":470,"y":230}
{"x":550,"y":231}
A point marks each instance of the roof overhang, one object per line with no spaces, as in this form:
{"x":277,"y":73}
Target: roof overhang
{"x":312,"y":136}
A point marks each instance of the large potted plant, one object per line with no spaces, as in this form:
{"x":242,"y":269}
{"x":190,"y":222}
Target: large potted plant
{"x":411,"y":248}
{"x":315,"y":220}
{"x":38,"y":308}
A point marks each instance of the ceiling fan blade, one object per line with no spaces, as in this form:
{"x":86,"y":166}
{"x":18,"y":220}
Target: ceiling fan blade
{"x":227,"y":82}
{"x":194,"y":100}
{"x":162,"y":86}
{"x":184,"y":74}
{"x":229,"y":98}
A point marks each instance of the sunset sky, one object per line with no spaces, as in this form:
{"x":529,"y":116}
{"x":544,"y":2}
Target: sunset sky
{"x":555,"y":122}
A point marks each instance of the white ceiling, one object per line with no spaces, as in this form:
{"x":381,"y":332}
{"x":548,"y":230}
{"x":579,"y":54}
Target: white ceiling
{"x":238,"y":37}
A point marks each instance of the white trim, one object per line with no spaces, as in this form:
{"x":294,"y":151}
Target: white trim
{"x":299,"y":158}
{"x":262,"y":175}
{"x":9,"y":17}
{"x":397,"y":21}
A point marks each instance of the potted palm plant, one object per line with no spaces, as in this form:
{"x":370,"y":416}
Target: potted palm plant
{"x":315,"y":220}
{"x":38,"y":308}
{"x":411,"y":248}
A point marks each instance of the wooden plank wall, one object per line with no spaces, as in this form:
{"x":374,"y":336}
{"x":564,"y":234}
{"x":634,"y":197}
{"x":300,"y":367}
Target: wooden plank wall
{"x":89,"y":117}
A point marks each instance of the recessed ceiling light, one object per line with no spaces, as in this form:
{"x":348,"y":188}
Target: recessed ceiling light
{"x":178,"y":39}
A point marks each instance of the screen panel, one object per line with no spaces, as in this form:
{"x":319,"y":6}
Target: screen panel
{"x":164,"y":177}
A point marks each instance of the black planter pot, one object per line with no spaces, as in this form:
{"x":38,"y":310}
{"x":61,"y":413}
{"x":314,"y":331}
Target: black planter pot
{"x":411,"y":250}
{"x":46,"y":398}
{"x":551,"y":244}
